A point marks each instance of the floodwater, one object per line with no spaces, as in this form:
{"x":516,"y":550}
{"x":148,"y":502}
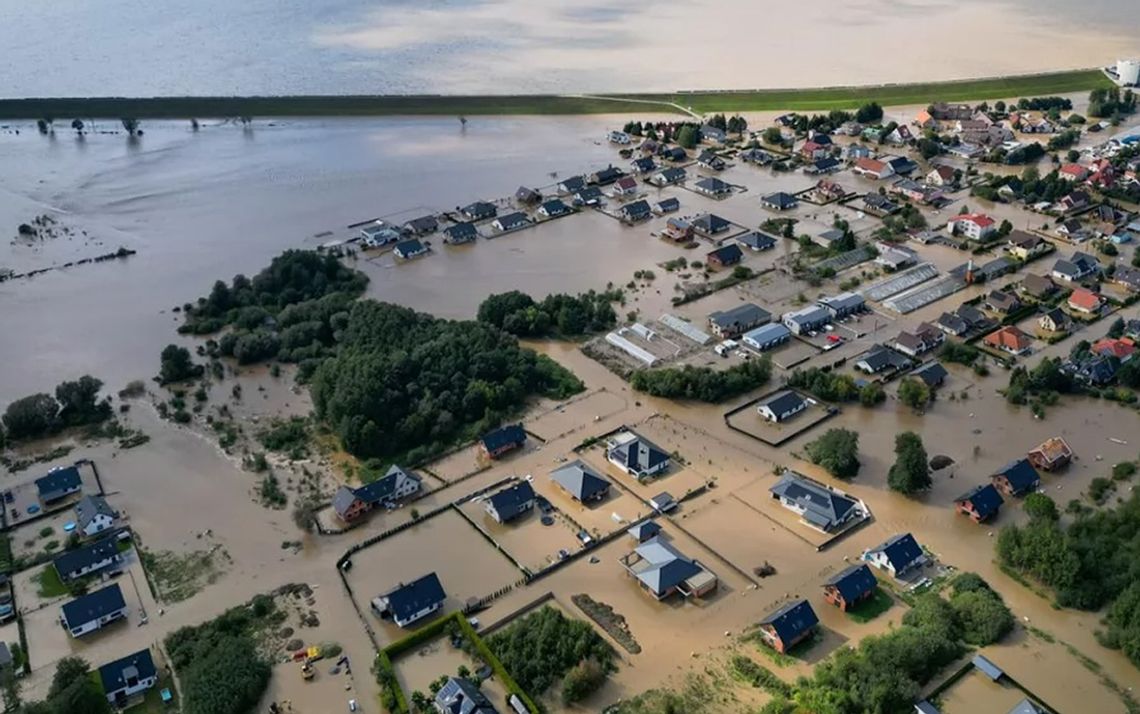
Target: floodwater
{"x":266,"y":47}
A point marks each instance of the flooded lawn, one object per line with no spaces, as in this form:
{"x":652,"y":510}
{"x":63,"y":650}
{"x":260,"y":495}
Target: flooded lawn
{"x":752,"y":423}
{"x":418,"y":668}
{"x":325,"y":692}
{"x":526,"y":538}
{"x":455,"y":466}
{"x":467,"y":566}
{"x":576,"y":415}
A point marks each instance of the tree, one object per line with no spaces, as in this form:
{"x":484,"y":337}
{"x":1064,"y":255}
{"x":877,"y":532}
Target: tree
{"x":176,"y":365}
{"x":872,"y":394}
{"x":78,"y":402}
{"x":911,"y":470}
{"x":67,"y":671}
{"x":914,"y":393}
{"x":131,"y":125}
{"x":582,"y":681}
{"x":1041,"y":507}
{"x":837,"y":451}
{"x":31,"y":417}
{"x":869,"y":113}
{"x":77,"y":125}
{"x":983,"y":616}
{"x":773,"y":135}
{"x":688,"y":136}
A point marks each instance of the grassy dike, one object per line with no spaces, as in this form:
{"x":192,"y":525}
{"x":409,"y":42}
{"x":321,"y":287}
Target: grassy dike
{"x":66,"y":108}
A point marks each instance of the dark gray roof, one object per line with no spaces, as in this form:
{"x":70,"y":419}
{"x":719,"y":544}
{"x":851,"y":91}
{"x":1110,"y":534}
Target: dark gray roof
{"x":383,"y":488}
{"x":573,"y":183}
{"x":423,"y":224}
{"x":512,"y":501}
{"x":822,"y":506}
{"x":460,"y":696}
{"x":932,"y":373}
{"x":710,"y":223}
{"x":645,"y":530}
{"x":504,"y":435}
{"x":783,"y":402}
{"x":90,"y":506}
{"x":639,"y":454}
{"x":412,"y":246}
{"x":480,"y":209}
{"x":513,"y":220}
{"x":757,"y":240}
{"x":554,"y":207}
{"x":726,"y":254}
{"x":138,"y":666}
{"x":405,"y":600}
{"x":780,"y":199}
{"x":987,"y":667}
{"x":461,"y":231}
{"x":713,"y":185}
{"x":1026,"y":707}
{"x":94,"y":605}
{"x":637,"y":209}
{"x":741,"y":315}
{"x":580,"y":480}
{"x":58,"y":482}
{"x":667,"y":569}
{"x":792,"y":620}
{"x":71,"y":562}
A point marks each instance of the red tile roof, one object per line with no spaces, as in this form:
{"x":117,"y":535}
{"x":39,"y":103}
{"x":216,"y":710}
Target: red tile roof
{"x":1084,"y":299}
{"x":1120,"y":348}
{"x":872,"y":165}
{"x":979,"y":219}
{"x":1009,"y":338}
{"x":1074,"y":170}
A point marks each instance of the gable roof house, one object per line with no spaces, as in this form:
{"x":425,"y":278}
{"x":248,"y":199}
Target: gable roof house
{"x":925,"y":338}
{"x":880,"y":205}
{"x":1127,"y":277}
{"x":806,"y":319}
{"x":410,"y":602}
{"x":738,"y":320}
{"x":979,"y":503}
{"x":408,"y":249}
{"x":421,"y":226}
{"x":713,"y":186}
{"x":671,"y":175}
{"x":572,"y":184}
{"x":1037,"y":286}
{"x":349,"y":506}
{"x":511,"y":502}
{"x":460,"y":233}
{"x":459,"y":695}
{"x":395,"y":485}
{"x":527,"y":195}
{"x":782,"y":406}
{"x":93,"y":611}
{"x":588,"y":196}
{"x":857,"y":151}
{"x":637,"y":456}
{"x":850,"y":586}
{"x":643,"y":165}
{"x":975,"y":226}
{"x":766,"y":337}
{"x":873,"y":168}
{"x":673,"y":153}
{"x":709,"y":160}
{"x":662,"y":570}
{"x":678,"y":229}
{"x":941,"y":176}
{"x":1050,"y":455}
{"x":1024,"y":246}
{"x":127,"y":677}
{"x":506,"y":438}
{"x":826,"y":165}
{"x":1121,"y":348}
{"x":667,"y":205}
{"x":58,"y":484}
{"x":581,"y":482}
{"x":724,"y":256}
{"x":843,"y":304}
{"x":606,"y":176}
{"x":1009,"y":339}
{"x":897,"y":555}
{"x":878,"y":359}
{"x":377,"y":234}
{"x":818,"y":506}
{"x":553,"y":208}
{"x":789,"y":625}
{"x":479,"y":210}
{"x":93,"y":514}
{"x":511,"y":222}
{"x":625,"y":186}
{"x":636,"y":211}
{"x":712,"y":133}
{"x":1001,"y":302}
{"x":1016,"y":478}
{"x":1054,"y":320}
{"x":87,"y":560}
{"x":644,"y":531}
{"x":1077,"y":267}
{"x":932,"y":374}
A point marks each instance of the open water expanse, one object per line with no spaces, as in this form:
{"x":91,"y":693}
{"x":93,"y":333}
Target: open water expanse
{"x":219,"y":47}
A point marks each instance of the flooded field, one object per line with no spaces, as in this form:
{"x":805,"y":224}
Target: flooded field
{"x":530,"y":542}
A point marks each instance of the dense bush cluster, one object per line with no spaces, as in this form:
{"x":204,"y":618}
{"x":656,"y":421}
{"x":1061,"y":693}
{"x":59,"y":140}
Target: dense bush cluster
{"x":218,"y":663}
{"x":76,"y":403}
{"x":837,"y":451}
{"x":703,"y":383}
{"x":1088,"y":563}
{"x":73,"y":691}
{"x":546,"y":646}
{"x":405,"y":383}
{"x":835,"y":387}
{"x":562,"y":315}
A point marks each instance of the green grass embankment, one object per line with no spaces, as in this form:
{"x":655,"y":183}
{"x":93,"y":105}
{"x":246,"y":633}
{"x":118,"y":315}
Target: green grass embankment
{"x":808,"y":99}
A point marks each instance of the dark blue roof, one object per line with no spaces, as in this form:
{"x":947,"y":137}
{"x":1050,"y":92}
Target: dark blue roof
{"x":985,"y":499}
{"x":573,"y":183}
{"x":640,"y":454}
{"x":513,"y":501}
{"x":408,"y":599}
{"x":1021,"y":475}
{"x":854,"y":582}
{"x":139,"y":665}
{"x":792,"y":620}
{"x":825,"y":164}
{"x":503,"y":436}
{"x":410,"y":247}
{"x":73,"y":561}
{"x":461,"y":230}
{"x":637,"y":208}
{"x":94,"y":605}
{"x":384,"y":487}
{"x":554,"y":207}
{"x":56,"y":482}
{"x":902,"y":551}
{"x":730,"y":253}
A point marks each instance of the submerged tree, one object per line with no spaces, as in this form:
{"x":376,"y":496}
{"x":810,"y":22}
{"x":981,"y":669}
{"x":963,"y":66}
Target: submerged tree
{"x":911,"y":472}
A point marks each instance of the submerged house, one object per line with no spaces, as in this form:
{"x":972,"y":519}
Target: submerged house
{"x":1052,"y":454}
{"x":460,"y":233}
{"x":818,"y":506}
{"x":59,"y":483}
{"x":395,"y":485}
{"x":87,"y":560}
{"x":788,"y":626}
{"x":93,"y":611}
{"x":411,"y":248}
{"x":581,"y":482}
{"x":849,"y":587}
{"x":93,"y":515}
{"x":1016,"y":478}
{"x":662,"y":570}
{"x":410,"y":602}
{"x":782,"y":406}
{"x":128,"y":677}
{"x":502,"y":440}
{"x":979,"y":503}
{"x":636,"y":455}
{"x":511,"y":502}
{"x":898,"y":555}
{"x":459,"y":695}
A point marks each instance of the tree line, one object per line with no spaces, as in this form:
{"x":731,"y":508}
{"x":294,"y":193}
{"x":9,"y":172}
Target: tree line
{"x":74,"y":403}
{"x":703,"y":383}
{"x":557,"y":315}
